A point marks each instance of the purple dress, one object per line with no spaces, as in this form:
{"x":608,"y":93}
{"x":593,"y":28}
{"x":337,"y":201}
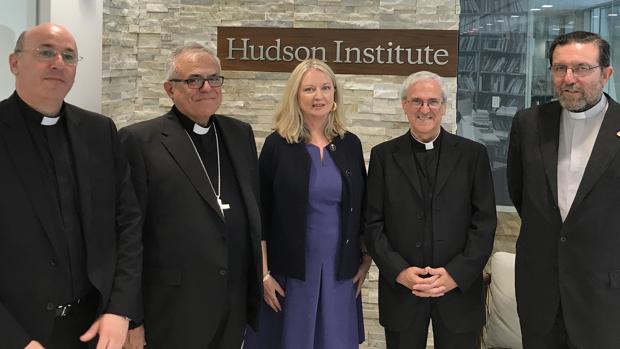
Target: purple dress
{"x":320,"y":312}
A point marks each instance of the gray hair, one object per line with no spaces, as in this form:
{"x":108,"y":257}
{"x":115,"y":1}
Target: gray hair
{"x":419,"y":76}
{"x":192,"y":47}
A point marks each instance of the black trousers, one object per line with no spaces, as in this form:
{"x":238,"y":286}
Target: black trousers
{"x":415,"y":336}
{"x":556,"y":338}
{"x":67,"y":330}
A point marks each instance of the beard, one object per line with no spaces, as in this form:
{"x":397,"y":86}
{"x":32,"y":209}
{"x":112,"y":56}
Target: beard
{"x":578,"y":99}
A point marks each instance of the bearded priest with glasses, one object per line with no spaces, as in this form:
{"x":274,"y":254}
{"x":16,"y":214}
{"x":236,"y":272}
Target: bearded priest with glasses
{"x":563,"y":171}
{"x":196,"y":178}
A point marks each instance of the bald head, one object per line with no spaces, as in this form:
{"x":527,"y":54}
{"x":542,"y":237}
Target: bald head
{"x":42,"y":78}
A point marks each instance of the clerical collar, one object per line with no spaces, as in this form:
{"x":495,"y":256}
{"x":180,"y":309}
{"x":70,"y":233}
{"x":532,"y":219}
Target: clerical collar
{"x":190,"y":126}
{"x":590,"y":113}
{"x":427,"y":145}
{"x":37,"y":117}
{"x":47,"y":121}
{"x":199,"y":130}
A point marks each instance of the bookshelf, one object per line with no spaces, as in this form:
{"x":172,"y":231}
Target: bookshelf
{"x":492,"y":53}
{"x":493,"y":77}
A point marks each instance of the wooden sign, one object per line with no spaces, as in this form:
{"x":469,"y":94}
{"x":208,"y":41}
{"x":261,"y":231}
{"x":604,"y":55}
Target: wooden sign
{"x":346,"y":51}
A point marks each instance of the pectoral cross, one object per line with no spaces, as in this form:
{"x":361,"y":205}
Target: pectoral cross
{"x":223,"y":206}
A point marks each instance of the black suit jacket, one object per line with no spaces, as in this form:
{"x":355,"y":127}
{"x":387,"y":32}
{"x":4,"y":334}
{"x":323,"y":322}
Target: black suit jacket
{"x":577,"y":262}
{"x":463,"y":225}
{"x":185,"y":248}
{"x":30,"y":224}
{"x":285,"y":175}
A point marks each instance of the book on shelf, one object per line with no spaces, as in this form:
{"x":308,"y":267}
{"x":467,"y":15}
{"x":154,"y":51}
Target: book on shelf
{"x":467,"y":63}
{"x":466,"y":82}
{"x":468,"y":43}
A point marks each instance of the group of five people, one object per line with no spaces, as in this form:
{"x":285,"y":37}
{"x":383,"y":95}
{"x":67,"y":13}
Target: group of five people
{"x":174,"y":228}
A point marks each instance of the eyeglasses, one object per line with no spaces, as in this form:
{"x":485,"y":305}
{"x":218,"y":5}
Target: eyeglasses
{"x":432,"y":103}
{"x":45,"y":53}
{"x":583,"y":69}
{"x":196,"y":82}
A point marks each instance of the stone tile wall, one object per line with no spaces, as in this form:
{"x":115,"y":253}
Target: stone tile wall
{"x":139,"y":35}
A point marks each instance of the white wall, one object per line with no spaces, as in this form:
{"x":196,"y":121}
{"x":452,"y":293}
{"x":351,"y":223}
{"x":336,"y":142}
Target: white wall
{"x":84,"y":18}
{"x":15,"y":17}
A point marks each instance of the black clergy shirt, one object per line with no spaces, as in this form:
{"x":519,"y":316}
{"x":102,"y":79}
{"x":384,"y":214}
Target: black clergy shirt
{"x":54,"y":148}
{"x":426,"y":162}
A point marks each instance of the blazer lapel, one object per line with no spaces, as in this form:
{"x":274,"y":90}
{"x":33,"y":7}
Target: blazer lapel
{"x":83,"y":168}
{"x":28,"y":165}
{"x":549,"y":135}
{"x":403,"y":156}
{"x":448,"y":158}
{"x":604,"y":151}
{"x":179,"y":145}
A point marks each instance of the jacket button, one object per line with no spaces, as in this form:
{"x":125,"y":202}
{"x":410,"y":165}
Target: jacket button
{"x":418,"y":244}
{"x":223,"y":272}
{"x":53,"y":262}
{"x":420,"y":216}
{"x":348,"y":172}
{"x":351,"y":210}
{"x":563,"y":239}
{"x":50,"y":306}
{"x":347,"y":242}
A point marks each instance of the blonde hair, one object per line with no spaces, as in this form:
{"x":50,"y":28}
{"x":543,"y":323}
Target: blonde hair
{"x":289,"y":121}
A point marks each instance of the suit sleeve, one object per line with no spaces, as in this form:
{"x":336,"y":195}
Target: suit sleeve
{"x":467,"y":266}
{"x":362,"y":165}
{"x":12,"y":334}
{"x":514,"y":170}
{"x":254,"y":164}
{"x":265,"y":163}
{"x":389,"y":261}
{"x":131,"y":148}
{"x":126,"y":295}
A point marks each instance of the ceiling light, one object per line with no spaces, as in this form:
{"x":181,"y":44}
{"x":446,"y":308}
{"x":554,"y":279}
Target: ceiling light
{"x":547,"y":6}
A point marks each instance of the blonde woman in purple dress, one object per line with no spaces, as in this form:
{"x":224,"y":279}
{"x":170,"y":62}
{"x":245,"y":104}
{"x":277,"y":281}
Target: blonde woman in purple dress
{"x":312,"y":186}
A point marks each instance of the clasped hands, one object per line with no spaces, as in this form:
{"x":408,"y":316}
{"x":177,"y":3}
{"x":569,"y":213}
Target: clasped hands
{"x":426,"y":282}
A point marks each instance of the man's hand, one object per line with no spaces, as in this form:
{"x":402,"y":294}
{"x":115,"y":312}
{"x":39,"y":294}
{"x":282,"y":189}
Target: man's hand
{"x":135,"y":339}
{"x":112,"y":331}
{"x":442,"y":283}
{"x":34,"y":345}
{"x":271,"y":287}
{"x":413,"y":276}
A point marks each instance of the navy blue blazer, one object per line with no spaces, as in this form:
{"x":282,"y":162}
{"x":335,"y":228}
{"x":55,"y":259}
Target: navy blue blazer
{"x":284,"y":176}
